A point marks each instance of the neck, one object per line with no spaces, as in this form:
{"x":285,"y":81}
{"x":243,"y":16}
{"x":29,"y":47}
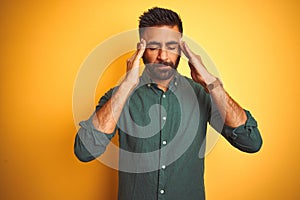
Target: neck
{"x":163,"y":84}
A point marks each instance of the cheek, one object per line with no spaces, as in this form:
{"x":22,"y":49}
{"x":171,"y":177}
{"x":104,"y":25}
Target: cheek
{"x":174,"y":57}
{"x":149,"y":57}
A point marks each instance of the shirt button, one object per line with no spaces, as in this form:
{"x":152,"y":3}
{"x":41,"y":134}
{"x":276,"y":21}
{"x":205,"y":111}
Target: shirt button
{"x":149,"y":85}
{"x":162,"y":191}
{"x":164,"y":96}
{"x":163,"y":166}
{"x":164,"y":118}
{"x":164,"y":142}
{"x":175,"y":83}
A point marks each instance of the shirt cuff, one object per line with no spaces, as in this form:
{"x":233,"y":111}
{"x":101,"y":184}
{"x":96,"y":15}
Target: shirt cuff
{"x":245,"y":137}
{"x":248,"y":126}
{"x":100,"y":138}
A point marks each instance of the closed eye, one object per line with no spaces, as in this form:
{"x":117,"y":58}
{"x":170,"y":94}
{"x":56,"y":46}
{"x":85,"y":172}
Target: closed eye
{"x":172,"y":48}
{"x":152,"y":48}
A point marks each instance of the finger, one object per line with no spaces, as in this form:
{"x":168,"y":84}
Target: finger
{"x":141,"y":50}
{"x":188,"y":50}
{"x":192,"y":67}
{"x":183,"y":48}
{"x":138,"y":47}
{"x":133,"y":56}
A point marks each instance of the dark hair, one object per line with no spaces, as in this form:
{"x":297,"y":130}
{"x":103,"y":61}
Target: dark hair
{"x":158,"y":17}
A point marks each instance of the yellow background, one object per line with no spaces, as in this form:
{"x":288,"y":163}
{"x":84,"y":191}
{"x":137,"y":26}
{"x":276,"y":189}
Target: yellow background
{"x":254,"y":44}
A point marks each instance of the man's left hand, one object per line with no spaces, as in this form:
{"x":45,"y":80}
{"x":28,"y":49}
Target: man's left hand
{"x":199,"y":72}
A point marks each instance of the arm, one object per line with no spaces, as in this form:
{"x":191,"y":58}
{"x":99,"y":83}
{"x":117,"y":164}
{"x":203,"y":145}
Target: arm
{"x":106,"y":118}
{"x":90,"y":142}
{"x":96,"y":133}
{"x":240,"y":127}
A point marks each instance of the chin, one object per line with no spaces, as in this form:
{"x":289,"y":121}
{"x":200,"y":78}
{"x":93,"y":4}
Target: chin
{"x":164,"y":73}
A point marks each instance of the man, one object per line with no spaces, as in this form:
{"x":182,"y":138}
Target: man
{"x":161,"y":117}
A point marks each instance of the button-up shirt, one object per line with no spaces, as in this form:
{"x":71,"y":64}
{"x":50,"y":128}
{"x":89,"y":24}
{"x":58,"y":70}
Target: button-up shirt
{"x":162,"y":139}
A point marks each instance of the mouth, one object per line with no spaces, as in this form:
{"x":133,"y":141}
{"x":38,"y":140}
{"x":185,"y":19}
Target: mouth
{"x":162,"y":66}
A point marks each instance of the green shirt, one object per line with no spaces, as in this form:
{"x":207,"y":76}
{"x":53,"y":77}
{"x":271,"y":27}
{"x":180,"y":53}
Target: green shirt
{"x":162,"y":140}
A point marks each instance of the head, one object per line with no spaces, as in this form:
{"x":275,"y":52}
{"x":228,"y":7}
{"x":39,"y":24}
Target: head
{"x":159,"y":17}
{"x":162,"y":30}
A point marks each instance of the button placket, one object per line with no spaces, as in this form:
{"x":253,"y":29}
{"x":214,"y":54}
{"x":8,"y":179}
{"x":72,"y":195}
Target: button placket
{"x":163,"y":142}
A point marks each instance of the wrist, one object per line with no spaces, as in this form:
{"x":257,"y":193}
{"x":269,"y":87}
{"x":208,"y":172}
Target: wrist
{"x":214,"y":84}
{"x":209,"y":78}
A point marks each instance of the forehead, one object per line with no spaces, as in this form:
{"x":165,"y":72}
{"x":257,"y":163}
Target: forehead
{"x":161,"y":34}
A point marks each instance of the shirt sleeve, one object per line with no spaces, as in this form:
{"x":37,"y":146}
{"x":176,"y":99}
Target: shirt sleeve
{"x":89,"y":142}
{"x":246,"y":137}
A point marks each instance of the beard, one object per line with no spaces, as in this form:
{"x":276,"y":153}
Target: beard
{"x":162,"y":70}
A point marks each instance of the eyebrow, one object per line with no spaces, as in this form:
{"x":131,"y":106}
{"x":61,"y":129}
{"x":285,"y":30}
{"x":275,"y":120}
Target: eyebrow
{"x":153,"y":43}
{"x":158,"y":43}
{"x":172,"y":42}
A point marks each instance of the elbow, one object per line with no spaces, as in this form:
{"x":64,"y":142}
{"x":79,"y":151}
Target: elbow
{"x":90,"y":143}
{"x":83,"y":156}
{"x":246,"y":137}
{"x":81,"y":152}
{"x":256,"y":141}
{"x":256,"y":146}
{"x":253,"y":145}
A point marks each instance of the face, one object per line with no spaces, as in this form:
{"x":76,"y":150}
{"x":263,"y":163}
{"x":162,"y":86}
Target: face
{"x":162,"y":53}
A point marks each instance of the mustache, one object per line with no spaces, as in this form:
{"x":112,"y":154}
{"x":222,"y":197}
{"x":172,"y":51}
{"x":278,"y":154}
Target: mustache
{"x":171,"y":64}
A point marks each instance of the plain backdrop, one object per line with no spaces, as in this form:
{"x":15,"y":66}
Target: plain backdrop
{"x":254,"y":44}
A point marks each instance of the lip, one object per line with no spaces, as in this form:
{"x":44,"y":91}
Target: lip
{"x":162,"y":66}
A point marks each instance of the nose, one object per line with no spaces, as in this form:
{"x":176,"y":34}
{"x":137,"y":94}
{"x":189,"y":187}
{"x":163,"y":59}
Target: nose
{"x":162,"y":54}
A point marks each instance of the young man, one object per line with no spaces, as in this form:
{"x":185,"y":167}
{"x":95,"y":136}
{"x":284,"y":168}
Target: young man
{"x":161,"y":117}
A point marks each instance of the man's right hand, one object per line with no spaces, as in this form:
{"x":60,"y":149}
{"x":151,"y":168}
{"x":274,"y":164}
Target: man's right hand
{"x":133,"y":64}
{"x":107,"y":116}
